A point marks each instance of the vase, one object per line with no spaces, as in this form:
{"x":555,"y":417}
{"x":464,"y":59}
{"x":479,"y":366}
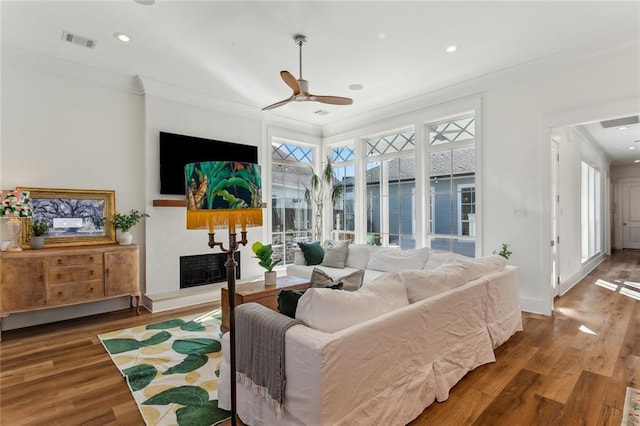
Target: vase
{"x":270,"y":278}
{"x":125,"y":238}
{"x":37,"y":242}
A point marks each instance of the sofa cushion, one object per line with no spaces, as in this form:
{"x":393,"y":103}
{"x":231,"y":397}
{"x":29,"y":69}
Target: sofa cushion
{"x":438,"y":258}
{"x":313,"y":253}
{"x":288,"y":300}
{"x":350,"y":282}
{"x":475,"y":268}
{"x":391,"y":259}
{"x":358,"y":256}
{"x":326,"y":310}
{"x":422,"y":284}
{"x":335,"y":256}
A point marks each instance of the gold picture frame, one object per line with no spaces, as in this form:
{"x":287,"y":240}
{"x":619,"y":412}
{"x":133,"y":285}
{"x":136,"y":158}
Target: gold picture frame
{"x":74,"y":216}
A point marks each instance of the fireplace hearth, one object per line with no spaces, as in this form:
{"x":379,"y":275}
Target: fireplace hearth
{"x":202,"y":269}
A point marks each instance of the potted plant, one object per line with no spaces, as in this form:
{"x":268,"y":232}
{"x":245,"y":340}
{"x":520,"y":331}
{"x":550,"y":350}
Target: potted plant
{"x":504,"y":251}
{"x":265,"y":255}
{"x":124,"y":222}
{"x":38,"y":229}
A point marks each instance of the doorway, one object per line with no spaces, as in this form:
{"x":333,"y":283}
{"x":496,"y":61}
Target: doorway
{"x":630,"y":207}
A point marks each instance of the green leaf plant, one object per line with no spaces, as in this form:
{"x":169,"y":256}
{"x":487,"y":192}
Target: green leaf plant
{"x":265,"y":255}
{"x":124,"y":222}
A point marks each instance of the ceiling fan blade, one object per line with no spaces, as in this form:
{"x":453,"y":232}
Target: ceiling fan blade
{"x":278,"y":104}
{"x":334,"y":100}
{"x":291,"y":81}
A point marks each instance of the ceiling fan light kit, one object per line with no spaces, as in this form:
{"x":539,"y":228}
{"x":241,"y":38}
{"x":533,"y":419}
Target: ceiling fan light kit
{"x":300,"y":86}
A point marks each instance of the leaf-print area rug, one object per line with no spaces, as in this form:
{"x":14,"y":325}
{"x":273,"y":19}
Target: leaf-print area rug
{"x":631,"y":412}
{"x":172,"y":368}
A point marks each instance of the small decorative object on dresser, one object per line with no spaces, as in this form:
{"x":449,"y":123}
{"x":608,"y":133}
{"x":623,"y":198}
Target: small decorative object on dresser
{"x":38,"y":230}
{"x":265,"y":254}
{"x":124,"y":222}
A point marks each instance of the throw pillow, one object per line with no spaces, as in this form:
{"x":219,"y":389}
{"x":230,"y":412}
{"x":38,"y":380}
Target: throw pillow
{"x":353,"y":281}
{"x":475,"y":268}
{"x":288,"y":300}
{"x":422,"y":284}
{"x":350,"y":282}
{"x":313,"y":253}
{"x":335,"y":256}
{"x":331,"y":311}
{"x":391,"y":259}
{"x":358,"y":256}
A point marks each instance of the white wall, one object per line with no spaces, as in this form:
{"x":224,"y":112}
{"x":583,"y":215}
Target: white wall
{"x":574,"y":147}
{"x":166,"y":235}
{"x":61,"y":130}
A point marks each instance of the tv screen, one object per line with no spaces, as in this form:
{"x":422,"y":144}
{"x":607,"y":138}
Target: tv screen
{"x":178,"y":150}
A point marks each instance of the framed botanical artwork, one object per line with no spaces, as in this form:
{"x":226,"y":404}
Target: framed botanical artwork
{"x":74,"y":216}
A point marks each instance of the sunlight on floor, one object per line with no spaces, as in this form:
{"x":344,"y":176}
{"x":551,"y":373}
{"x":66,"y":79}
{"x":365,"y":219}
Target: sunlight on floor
{"x":208,"y":316}
{"x":606,"y":284}
{"x":587,"y":330}
{"x":630,"y":293}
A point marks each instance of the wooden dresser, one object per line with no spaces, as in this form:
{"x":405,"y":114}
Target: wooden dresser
{"x":52,"y":277}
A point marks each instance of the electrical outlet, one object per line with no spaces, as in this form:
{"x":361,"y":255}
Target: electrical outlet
{"x":519,"y":212}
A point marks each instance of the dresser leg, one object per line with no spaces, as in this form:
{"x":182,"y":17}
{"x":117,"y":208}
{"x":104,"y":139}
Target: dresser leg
{"x":137,"y":298}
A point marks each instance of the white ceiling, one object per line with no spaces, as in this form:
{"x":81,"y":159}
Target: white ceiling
{"x":234,"y":50}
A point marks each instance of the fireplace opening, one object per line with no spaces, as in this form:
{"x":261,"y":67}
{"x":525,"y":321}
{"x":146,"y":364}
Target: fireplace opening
{"x":202,"y":269}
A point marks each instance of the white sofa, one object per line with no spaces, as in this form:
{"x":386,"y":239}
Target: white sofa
{"x":386,"y":370}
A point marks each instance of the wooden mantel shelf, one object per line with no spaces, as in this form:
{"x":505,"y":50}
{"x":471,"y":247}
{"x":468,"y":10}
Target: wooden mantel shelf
{"x":169,"y":203}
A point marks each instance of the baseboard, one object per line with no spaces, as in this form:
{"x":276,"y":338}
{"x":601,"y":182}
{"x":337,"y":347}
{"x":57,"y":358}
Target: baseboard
{"x":568,"y":283}
{"x":534,"y":306}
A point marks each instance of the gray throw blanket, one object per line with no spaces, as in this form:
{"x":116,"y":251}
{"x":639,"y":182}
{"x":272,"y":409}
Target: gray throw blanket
{"x":260,"y":351}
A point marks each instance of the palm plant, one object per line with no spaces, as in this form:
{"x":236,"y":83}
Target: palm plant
{"x":322,"y":190}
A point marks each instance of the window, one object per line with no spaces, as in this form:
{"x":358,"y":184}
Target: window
{"x":343,"y":210}
{"x":390,"y":190}
{"x":291,"y":214}
{"x":451,"y":148}
{"x":591,"y":206}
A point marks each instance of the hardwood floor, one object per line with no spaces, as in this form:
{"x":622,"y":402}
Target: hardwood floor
{"x":568,"y":369}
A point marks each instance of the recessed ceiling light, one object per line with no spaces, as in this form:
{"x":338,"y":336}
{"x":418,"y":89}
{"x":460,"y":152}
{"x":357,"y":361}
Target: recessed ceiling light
{"x":145,"y":2}
{"x":632,"y":147}
{"x":382,"y":36}
{"x":622,"y":128}
{"x":452,"y":48}
{"x":636,"y":161}
{"x":355,"y":86}
{"x":321,"y":112}
{"x":122,"y":37}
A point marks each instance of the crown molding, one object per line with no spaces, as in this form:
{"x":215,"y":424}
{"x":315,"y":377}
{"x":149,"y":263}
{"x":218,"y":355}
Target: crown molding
{"x":30,"y":61}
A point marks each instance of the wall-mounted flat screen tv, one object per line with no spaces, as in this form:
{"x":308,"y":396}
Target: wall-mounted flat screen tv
{"x":178,"y":150}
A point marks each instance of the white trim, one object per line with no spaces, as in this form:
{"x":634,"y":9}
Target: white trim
{"x":460,"y":187}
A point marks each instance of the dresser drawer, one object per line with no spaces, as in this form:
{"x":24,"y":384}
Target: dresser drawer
{"x":75,"y":260}
{"x":74,"y":274}
{"x":75,"y":292}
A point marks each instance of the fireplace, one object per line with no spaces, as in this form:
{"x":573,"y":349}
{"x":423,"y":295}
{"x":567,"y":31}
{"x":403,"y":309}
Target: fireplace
{"x":202,"y":269}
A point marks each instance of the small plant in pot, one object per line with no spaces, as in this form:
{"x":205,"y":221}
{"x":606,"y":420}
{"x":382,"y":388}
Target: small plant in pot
{"x":265,"y":255}
{"x":38,"y":230}
{"x":124,"y":223}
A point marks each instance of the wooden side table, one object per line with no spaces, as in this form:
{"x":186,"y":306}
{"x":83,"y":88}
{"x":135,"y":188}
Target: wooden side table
{"x":259,"y":293}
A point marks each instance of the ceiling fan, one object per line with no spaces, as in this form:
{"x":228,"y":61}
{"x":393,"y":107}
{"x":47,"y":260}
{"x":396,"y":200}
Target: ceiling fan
{"x":300,"y":86}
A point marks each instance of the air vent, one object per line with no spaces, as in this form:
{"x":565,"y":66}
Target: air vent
{"x":620,"y":122}
{"x":79,"y":40}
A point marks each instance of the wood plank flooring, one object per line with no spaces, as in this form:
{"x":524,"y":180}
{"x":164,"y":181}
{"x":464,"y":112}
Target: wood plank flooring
{"x":568,"y":369}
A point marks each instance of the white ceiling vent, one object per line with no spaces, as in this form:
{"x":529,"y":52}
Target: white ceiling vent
{"x":79,"y":40}
{"x":618,"y":122}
